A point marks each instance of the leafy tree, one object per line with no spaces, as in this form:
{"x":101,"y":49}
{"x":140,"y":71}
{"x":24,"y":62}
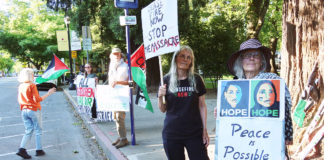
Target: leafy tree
{"x":271,"y":31}
{"x":29,"y":32}
{"x":6,"y":63}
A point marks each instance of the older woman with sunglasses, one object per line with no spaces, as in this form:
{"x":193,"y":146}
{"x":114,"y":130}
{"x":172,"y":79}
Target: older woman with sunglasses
{"x":185,"y":107}
{"x":252,"y":61}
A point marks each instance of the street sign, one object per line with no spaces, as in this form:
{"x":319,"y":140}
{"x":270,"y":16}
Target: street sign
{"x":126,"y":4}
{"x":74,"y":54}
{"x":127,"y":20}
{"x":62,"y":40}
{"x":86,"y":36}
{"x":75,"y":41}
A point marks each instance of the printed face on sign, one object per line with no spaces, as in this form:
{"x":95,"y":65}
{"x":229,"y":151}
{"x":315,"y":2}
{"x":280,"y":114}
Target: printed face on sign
{"x":264,"y":101}
{"x":266,"y":95}
{"x":234,"y":101}
{"x":233,"y":95}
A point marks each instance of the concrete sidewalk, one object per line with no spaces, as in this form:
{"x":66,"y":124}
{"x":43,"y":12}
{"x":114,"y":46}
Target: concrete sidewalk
{"x":148,"y":131}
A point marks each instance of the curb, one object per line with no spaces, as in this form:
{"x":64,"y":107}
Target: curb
{"x":111,"y":152}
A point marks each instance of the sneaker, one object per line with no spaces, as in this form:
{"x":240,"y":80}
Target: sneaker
{"x":92,"y":121}
{"x":40,"y":153}
{"x":23,"y":153}
{"x":116,"y":142}
{"x":122,"y":143}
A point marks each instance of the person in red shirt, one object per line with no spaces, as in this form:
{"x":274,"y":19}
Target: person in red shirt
{"x":29,"y":101}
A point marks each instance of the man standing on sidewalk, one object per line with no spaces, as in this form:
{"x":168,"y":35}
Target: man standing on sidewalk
{"x":118,"y":75}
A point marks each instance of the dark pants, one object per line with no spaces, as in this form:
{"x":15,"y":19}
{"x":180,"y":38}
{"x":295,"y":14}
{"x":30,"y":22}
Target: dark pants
{"x":94,"y":109}
{"x":174,"y":149}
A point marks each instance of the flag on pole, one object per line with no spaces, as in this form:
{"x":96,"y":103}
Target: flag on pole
{"x":139,"y":76}
{"x":55,"y":69}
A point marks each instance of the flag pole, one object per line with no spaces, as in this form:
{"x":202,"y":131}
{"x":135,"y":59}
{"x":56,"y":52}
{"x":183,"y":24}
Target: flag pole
{"x":131,"y":110}
{"x":161,"y":77}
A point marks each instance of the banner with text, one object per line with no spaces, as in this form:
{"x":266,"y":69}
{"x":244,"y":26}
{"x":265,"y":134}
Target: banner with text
{"x":250,"y":112}
{"x":62,"y":40}
{"x":85,"y":93}
{"x":112,"y":99}
{"x":160,"y":28}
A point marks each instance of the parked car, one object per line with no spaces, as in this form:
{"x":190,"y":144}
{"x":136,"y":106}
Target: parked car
{"x":45,"y":86}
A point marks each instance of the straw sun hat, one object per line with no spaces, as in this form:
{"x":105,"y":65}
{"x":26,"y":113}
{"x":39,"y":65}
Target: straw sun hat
{"x":247,"y":45}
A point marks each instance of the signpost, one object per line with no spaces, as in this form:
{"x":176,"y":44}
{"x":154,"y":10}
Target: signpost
{"x":74,"y":54}
{"x":87,"y":42}
{"x":127,"y":20}
{"x":129,"y":4}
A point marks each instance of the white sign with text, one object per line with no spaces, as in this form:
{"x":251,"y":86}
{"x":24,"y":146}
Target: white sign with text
{"x":160,"y":28}
{"x":250,"y":120}
{"x":112,"y":99}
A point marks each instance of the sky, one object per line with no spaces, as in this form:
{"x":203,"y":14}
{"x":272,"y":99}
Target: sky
{"x":4,"y":5}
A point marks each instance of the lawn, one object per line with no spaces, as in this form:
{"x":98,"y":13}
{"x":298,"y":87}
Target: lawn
{"x":209,"y":84}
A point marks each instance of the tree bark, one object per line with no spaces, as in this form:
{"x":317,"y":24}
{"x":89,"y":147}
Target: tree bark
{"x":273,"y":47}
{"x":302,"y":46}
{"x":152,"y":74}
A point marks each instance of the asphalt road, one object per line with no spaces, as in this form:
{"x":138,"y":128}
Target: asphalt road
{"x":64,"y":135}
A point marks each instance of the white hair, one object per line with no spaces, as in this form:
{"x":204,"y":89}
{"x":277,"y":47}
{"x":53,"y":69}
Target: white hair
{"x":238,"y":66}
{"x":26,"y":75}
{"x":174,"y":82}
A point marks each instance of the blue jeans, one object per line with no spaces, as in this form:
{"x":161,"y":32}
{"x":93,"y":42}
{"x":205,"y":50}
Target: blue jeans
{"x":31,"y":123}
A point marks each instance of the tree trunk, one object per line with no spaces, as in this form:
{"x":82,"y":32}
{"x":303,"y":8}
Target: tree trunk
{"x":255,"y":17}
{"x":273,"y":47}
{"x":152,"y":74}
{"x":302,"y":46}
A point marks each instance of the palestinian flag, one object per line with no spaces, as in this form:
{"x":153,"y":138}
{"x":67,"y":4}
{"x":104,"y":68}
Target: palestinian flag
{"x":55,"y":69}
{"x":139,"y":76}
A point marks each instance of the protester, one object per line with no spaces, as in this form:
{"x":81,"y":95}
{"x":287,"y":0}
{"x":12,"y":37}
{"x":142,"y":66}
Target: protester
{"x":185,"y":123}
{"x":252,"y":61}
{"x":118,"y":75}
{"x":89,"y":74}
{"x":29,"y":101}
{"x":82,"y":70}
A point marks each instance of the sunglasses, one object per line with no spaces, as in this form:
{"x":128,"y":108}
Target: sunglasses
{"x":254,"y":55}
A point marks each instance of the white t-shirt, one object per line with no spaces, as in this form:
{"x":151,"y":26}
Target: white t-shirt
{"x":119,"y":72}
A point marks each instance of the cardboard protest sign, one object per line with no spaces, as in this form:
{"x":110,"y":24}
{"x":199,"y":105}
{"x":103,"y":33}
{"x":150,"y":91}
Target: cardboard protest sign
{"x":160,"y":28}
{"x":85,"y":93}
{"x":250,"y":112}
{"x":112,"y":99}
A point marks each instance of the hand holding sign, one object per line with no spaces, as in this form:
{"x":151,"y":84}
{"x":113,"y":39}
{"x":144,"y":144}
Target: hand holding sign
{"x":161,"y":94}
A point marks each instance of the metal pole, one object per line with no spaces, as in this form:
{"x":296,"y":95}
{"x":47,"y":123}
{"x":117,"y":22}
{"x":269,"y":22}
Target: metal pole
{"x":130,"y":79}
{"x":73,"y":63}
{"x":71,"y":87}
{"x":87,"y":57}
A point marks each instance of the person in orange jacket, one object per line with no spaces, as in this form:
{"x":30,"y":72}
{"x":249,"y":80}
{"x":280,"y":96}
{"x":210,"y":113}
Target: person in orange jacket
{"x":29,"y":101}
